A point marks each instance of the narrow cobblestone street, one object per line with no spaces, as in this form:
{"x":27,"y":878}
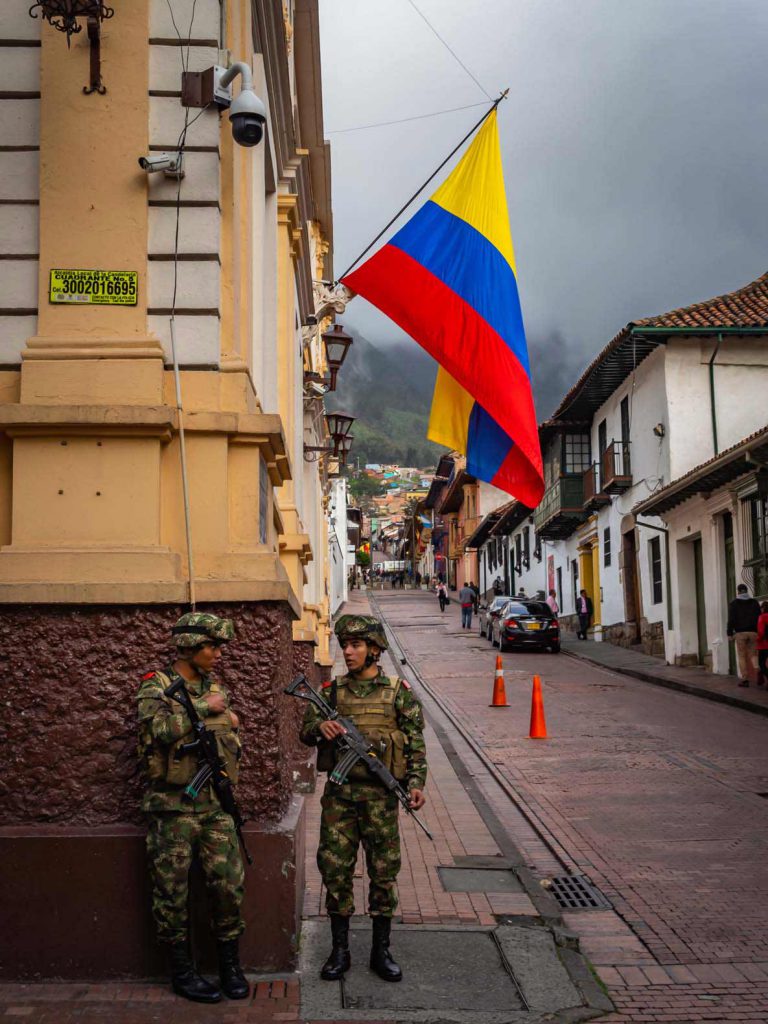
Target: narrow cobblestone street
{"x":657,"y":796}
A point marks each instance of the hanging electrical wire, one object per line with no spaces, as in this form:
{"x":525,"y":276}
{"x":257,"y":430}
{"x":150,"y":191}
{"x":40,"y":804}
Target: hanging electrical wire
{"x":403,"y":120}
{"x":448,"y":48}
{"x":180,"y":146}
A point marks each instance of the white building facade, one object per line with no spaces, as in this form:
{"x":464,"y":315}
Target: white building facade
{"x":666,"y":395}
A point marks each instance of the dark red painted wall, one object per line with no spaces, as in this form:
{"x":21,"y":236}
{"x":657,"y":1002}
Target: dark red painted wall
{"x":68,"y":729}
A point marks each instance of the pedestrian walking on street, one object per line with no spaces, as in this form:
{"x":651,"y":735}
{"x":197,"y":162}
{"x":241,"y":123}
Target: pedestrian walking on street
{"x":585,"y":611}
{"x":762,"y":645}
{"x":476,"y":603}
{"x":385,"y":710}
{"x":442,"y":595}
{"x":743,"y":613}
{"x":180,"y":825}
{"x":467,"y":602}
{"x":552,"y":602}
{"x":521,"y":594}
{"x":498,"y":586}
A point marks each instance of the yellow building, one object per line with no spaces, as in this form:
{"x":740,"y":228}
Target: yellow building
{"x":94,"y":559}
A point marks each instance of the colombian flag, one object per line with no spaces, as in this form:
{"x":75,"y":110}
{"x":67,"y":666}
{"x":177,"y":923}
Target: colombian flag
{"x":448,"y":278}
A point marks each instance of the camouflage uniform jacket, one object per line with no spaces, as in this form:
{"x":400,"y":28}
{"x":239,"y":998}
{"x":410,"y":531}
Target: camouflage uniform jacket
{"x":410,"y":721}
{"x":163,"y":722}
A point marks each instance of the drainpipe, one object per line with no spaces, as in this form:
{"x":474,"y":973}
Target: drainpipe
{"x":712,"y":391}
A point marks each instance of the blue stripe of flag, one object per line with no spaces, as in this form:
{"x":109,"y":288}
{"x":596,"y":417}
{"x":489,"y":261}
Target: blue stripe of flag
{"x":467,"y":263}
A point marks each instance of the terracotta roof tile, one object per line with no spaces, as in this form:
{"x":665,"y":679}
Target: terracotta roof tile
{"x":746,"y":307}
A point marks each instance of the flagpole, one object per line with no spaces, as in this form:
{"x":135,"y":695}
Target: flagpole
{"x":421,"y":188}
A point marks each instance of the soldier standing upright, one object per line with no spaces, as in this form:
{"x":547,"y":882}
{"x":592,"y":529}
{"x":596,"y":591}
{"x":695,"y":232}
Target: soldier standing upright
{"x":180,"y":826}
{"x":361,"y":810}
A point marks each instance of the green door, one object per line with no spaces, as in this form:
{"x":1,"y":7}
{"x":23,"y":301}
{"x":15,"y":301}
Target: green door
{"x":730,"y":579}
{"x":701,"y":614}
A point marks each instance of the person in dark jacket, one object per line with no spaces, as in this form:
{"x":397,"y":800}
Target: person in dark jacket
{"x":585,"y":611}
{"x":743,"y":613}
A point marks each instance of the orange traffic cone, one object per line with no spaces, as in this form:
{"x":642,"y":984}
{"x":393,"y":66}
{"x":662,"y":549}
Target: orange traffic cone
{"x":499,"y":699}
{"x":538,"y":722}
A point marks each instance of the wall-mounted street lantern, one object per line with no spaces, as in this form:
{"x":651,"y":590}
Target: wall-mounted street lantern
{"x":337,"y":342}
{"x":63,"y":15}
{"x":338,"y":424}
{"x":345,"y":444}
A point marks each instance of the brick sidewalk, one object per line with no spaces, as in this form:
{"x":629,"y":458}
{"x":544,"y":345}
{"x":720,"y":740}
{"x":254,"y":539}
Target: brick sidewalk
{"x":142,"y":1003}
{"x":695,"y":680}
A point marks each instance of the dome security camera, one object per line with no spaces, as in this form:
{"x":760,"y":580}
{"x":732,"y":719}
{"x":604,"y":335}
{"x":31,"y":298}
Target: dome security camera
{"x":248,"y":115}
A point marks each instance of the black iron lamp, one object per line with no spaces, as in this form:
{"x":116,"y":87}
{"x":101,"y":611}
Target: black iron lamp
{"x":337,"y":342}
{"x":338,"y":424}
{"x":63,"y":15}
{"x":344,"y":446}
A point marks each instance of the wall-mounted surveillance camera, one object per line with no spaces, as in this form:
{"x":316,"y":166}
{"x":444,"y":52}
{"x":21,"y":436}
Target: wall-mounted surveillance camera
{"x":247,"y":114}
{"x":170,"y":163}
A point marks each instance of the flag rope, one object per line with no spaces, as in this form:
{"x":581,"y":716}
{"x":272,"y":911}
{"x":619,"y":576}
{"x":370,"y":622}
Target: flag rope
{"x":421,"y":188}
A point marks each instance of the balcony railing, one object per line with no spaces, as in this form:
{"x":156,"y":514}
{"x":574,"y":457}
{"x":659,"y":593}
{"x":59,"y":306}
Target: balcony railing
{"x":561,"y":509}
{"x":594,"y":496}
{"x":616,"y":467}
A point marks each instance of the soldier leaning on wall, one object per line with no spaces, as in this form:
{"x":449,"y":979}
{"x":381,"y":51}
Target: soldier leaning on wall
{"x":180,"y":827}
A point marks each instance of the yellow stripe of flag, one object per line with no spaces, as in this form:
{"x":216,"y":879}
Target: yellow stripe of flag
{"x":474,"y":191}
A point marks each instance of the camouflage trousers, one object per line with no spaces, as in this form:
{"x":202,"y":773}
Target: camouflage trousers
{"x":172,"y":840}
{"x":344,"y":824}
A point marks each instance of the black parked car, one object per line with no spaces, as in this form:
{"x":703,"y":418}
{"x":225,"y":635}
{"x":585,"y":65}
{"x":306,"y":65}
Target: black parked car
{"x":489,"y":612}
{"x":526,"y":624}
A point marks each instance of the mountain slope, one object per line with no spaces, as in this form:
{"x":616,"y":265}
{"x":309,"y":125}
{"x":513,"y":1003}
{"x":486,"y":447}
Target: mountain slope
{"x":389,"y":391}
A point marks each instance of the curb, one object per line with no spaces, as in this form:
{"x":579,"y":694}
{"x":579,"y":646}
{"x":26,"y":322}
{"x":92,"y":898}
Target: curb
{"x":674,"y":684}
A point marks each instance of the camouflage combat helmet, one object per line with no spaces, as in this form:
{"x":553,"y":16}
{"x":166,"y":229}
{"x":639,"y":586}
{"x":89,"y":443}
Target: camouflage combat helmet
{"x":361,"y":627}
{"x":196,"y":628}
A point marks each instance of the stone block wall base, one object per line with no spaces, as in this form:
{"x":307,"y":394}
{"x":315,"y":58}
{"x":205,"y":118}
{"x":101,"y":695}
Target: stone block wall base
{"x":624,"y":634}
{"x":76,"y":903}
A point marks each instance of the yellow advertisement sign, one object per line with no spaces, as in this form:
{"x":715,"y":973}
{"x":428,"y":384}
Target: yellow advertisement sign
{"x":95,"y":287}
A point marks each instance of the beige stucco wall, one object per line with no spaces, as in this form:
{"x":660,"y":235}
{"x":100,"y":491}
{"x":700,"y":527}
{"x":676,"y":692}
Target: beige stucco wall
{"x":90,"y":485}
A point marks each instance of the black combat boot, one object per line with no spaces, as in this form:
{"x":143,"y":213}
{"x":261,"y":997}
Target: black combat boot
{"x":339,"y":960}
{"x":381,"y":958}
{"x":185,"y":979}
{"x":234,"y":984}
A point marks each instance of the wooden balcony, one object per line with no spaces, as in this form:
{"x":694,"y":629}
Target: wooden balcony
{"x":561,"y":509}
{"x":616,"y":468}
{"x":594,"y":496}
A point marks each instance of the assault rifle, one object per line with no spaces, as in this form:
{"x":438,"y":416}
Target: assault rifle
{"x":355,"y":748}
{"x":211,"y":767}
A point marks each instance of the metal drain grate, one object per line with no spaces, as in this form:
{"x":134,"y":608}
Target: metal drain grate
{"x":576,"y":892}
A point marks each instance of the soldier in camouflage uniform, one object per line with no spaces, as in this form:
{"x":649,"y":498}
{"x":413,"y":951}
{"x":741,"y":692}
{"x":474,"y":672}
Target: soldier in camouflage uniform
{"x":385,"y":710}
{"x":180,"y":826}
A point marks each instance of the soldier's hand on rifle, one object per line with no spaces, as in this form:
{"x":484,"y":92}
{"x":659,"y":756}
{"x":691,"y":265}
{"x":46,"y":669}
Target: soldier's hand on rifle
{"x":235,"y":720}
{"x":216,"y":702}
{"x":417,"y":799}
{"x":330,"y":730}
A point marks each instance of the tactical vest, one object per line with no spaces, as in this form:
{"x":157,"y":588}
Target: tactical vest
{"x":376,"y":718}
{"x":175,"y":766}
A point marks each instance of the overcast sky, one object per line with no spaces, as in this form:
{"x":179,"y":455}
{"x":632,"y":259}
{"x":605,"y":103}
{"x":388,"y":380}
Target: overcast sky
{"x":634,"y":141}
